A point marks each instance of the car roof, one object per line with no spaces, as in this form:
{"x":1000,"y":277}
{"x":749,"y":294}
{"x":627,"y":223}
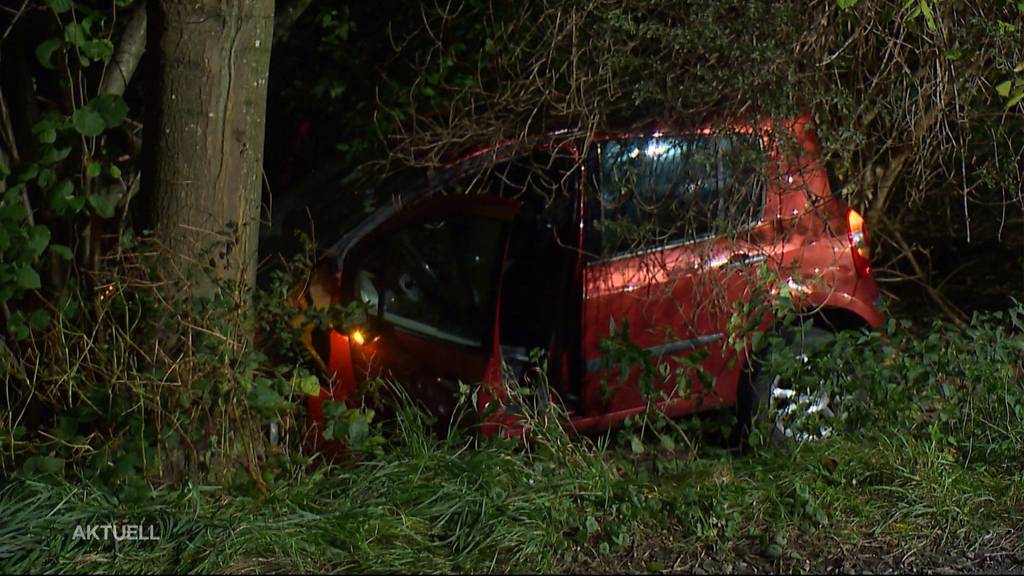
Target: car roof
{"x":410,"y":191}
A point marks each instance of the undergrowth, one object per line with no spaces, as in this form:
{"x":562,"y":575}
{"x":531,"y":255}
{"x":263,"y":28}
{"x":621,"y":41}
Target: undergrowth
{"x":926,"y":458}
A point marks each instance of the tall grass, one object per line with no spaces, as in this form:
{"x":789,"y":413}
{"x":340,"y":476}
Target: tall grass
{"x":925,"y":462}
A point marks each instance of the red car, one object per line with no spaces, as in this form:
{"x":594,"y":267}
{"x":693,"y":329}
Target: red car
{"x":554,"y":249}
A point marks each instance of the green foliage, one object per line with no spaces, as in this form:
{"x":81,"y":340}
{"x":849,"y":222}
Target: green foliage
{"x":959,"y":390}
{"x":658,"y":378}
{"x":45,"y":196}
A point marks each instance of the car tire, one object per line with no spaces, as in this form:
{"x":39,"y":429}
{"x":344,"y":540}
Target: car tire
{"x":760,"y":384}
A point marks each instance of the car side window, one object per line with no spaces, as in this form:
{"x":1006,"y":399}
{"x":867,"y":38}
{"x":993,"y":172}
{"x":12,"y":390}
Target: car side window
{"x":436,"y":278}
{"x":651,"y":192}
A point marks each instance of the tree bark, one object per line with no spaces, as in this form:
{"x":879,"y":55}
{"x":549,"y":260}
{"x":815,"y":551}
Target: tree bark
{"x":205,"y":137}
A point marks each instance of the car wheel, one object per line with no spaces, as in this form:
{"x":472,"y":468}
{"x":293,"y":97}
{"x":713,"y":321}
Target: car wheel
{"x":766,"y":396}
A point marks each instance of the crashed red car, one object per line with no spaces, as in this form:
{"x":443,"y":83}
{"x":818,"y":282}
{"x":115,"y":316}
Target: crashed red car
{"x":549,"y":248}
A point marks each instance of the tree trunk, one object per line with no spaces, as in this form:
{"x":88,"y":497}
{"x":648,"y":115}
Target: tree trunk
{"x":205,"y":135}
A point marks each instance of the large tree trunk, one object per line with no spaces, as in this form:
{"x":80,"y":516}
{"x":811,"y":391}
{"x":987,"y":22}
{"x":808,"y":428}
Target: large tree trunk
{"x":205,"y":136}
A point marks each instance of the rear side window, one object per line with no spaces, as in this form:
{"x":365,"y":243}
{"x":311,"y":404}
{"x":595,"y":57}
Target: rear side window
{"x":651,"y":192}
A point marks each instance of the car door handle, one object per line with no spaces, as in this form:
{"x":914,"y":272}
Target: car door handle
{"x":743,"y":259}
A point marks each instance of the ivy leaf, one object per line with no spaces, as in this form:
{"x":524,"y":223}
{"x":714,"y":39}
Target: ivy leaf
{"x":75,"y":34}
{"x":50,"y":121}
{"x":309,"y":385}
{"x":101,"y":205}
{"x":27,"y":173}
{"x":43,"y":466}
{"x":101,"y":49}
{"x":112,"y":108}
{"x":12,"y":209}
{"x":87,"y":121}
{"x":63,"y":191}
{"x":93,"y":169}
{"x":26,"y":278}
{"x":45,"y":50}
{"x":53,"y":154}
{"x":75,"y":204}
{"x":17,"y":327}
{"x":1003,"y":88}
{"x":62,"y":251}
{"x":38,"y":239}
{"x":358,"y":430}
{"x":39,"y":319}
{"x":48,"y":136}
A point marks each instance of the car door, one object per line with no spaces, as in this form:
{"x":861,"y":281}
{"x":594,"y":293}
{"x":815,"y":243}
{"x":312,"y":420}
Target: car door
{"x":669,"y":226}
{"x":429,"y":279}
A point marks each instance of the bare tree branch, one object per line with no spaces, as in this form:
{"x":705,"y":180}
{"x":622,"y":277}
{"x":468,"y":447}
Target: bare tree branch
{"x":286,"y":17}
{"x":129,"y":52}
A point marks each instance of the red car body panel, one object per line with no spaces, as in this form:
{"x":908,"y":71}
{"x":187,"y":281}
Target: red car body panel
{"x":677,"y":299}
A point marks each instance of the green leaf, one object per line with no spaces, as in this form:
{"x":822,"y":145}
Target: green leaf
{"x":26,"y":278}
{"x":61,"y":193}
{"x":309,"y":385}
{"x":358,"y":430}
{"x":101,"y":205}
{"x":17,"y":327}
{"x":62,"y":251}
{"x":75,"y":204}
{"x":64,"y":189}
{"x":38,"y":239}
{"x":264,"y":398}
{"x":112,"y":108}
{"x":1003,"y":88}
{"x":668,"y":443}
{"x":635,"y":444}
{"x":26,"y":173}
{"x":758,"y":341}
{"x":87,"y":121}
{"x":39,"y":319}
{"x":50,"y":121}
{"x":45,"y":50}
{"x":75,"y":34}
{"x":59,"y":6}
{"x":847,"y":4}
{"x":93,"y":169}
{"x":115,"y":172}
{"x":929,"y":17}
{"x":43,"y":465}
{"x":12,"y":210}
{"x":52,"y":154}
{"x":47,"y":136}
{"x":101,"y":49}
{"x":1016,"y":97}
